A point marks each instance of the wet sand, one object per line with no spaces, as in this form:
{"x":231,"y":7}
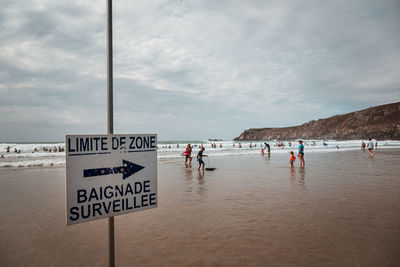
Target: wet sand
{"x":342,"y":209}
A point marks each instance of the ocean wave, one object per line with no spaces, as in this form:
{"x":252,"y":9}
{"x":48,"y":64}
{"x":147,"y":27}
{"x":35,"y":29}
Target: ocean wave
{"x":173,"y":150}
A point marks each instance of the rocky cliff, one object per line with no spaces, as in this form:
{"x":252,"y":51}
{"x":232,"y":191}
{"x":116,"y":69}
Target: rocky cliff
{"x":380,"y":122}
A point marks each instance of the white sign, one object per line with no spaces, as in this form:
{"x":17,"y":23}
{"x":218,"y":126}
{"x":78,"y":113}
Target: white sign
{"x":109,"y":175}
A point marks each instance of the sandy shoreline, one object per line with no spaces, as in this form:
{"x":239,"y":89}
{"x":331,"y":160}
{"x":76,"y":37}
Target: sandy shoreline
{"x":343,"y":209}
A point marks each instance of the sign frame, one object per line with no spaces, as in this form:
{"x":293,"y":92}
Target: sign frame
{"x":109,"y":175}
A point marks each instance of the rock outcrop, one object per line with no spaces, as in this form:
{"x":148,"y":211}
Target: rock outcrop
{"x":380,"y":122}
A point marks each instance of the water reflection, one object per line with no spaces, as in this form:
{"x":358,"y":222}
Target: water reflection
{"x":302,"y":175}
{"x":267,"y":157}
{"x":292,"y":174}
{"x":188,"y":176}
{"x":201,"y":186}
{"x":195,"y":189}
{"x":298,"y":176}
{"x":200,"y":176}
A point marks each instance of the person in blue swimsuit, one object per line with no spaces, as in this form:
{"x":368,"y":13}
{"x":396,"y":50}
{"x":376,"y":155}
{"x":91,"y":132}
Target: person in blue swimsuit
{"x":301,"y":153}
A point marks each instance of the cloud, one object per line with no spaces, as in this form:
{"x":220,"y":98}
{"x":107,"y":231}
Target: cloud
{"x":193,"y":69}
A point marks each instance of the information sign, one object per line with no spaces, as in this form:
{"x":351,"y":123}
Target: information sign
{"x":109,"y":175}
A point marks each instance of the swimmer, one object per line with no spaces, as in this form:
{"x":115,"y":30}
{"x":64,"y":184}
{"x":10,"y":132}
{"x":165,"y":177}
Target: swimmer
{"x":292,"y":159}
{"x":8,"y":149}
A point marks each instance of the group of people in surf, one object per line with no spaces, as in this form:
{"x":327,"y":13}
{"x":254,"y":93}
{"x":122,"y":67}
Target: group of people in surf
{"x":188,"y":156}
{"x":45,"y":149}
{"x":369,"y":145}
{"x":300,"y":154}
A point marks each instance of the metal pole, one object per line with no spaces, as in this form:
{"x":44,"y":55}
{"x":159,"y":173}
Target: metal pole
{"x":110,"y":121}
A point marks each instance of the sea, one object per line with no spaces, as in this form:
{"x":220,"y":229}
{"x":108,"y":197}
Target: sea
{"x":171,"y":150}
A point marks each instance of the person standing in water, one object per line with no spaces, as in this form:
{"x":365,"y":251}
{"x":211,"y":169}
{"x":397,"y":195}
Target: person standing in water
{"x":267,"y":146}
{"x":370,"y":146}
{"x":292,"y":159}
{"x":200,"y":158}
{"x":301,"y":153}
{"x":188,"y":154}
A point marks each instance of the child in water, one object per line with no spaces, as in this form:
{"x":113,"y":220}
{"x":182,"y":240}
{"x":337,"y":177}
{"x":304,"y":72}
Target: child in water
{"x":200,"y":158}
{"x":188,"y":154}
{"x":292,"y":159}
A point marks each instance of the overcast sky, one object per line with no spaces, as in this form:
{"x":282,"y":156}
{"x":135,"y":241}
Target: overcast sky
{"x":192,"y":70}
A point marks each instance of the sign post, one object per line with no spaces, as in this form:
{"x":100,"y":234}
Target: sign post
{"x":109,"y":175}
{"x":110,"y":121}
{"x":112,"y":174}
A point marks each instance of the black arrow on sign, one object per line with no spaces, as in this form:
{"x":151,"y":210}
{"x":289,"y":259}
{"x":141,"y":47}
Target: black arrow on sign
{"x":127,"y":169}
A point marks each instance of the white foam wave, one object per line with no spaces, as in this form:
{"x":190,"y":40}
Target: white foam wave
{"x":173,"y":150}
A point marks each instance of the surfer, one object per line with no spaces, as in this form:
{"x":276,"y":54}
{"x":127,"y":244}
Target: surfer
{"x":301,"y":153}
{"x":200,"y":158}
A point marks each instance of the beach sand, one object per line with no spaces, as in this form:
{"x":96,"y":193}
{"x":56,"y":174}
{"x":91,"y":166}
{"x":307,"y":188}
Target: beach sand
{"x":342,"y":209}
